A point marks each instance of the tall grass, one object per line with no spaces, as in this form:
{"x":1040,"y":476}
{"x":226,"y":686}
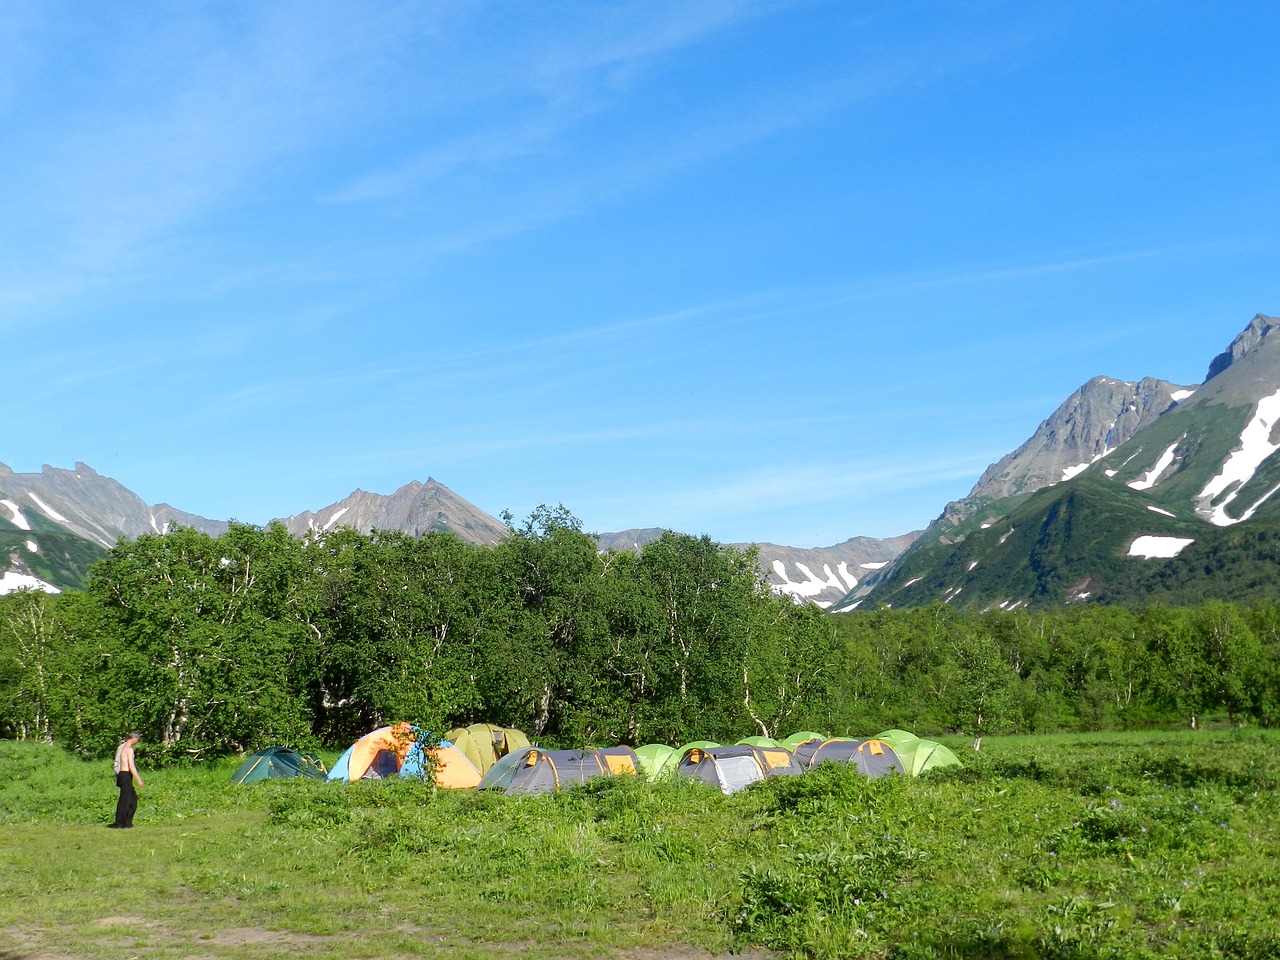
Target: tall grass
{"x":1127,"y":846}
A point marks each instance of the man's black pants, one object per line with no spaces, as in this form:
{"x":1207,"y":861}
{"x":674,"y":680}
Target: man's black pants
{"x":127,"y":805}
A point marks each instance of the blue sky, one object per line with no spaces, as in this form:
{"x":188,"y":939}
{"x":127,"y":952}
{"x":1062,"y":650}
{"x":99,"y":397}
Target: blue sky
{"x":784,"y":272}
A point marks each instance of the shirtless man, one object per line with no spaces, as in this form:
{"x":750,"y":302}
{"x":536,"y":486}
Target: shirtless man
{"x":126,"y":776}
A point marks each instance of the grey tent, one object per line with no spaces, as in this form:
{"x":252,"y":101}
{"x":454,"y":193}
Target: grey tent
{"x":733,"y":768}
{"x":875,"y":758}
{"x":534,"y":770}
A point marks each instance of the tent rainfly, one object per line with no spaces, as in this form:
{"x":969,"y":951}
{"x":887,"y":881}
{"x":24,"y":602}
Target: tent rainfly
{"x":484,"y":744}
{"x":875,"y":758}
{"x":536,"y":771}
{"x":278,"y":762}
{"x":733,"y":768}
{"x":919,"y":756}
{"x":389,"y":751}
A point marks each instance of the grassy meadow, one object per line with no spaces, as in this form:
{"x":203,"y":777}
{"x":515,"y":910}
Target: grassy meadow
{"x":1081,"y":846}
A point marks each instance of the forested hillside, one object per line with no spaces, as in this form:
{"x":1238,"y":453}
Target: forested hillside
{"x":214,"y":644}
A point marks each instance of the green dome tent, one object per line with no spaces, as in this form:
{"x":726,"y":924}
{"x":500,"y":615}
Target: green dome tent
{"x":651,"y":757}
{"x":278,"y":762}
{"x":918,"y":755}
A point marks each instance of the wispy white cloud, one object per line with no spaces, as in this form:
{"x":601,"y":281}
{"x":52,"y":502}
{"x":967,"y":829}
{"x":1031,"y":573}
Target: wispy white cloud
{"x":747,"y":500}
{"x":535,"y":88}
{"x":179,"y":117}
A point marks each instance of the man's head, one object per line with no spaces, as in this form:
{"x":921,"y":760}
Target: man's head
{"x":134,"y":736}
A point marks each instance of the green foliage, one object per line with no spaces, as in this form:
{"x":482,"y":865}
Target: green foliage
{"x":214,"y":645}
{"x":938,"y":669}
{"x":1062,"y":544}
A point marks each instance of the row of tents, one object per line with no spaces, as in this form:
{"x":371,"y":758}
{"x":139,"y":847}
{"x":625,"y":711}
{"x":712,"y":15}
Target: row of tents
{"x":489,"y":757}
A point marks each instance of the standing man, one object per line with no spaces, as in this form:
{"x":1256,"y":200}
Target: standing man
{"x":126,"y":768}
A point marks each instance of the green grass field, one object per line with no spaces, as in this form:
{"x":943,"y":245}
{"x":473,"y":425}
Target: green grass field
{"x":1107,"y":845}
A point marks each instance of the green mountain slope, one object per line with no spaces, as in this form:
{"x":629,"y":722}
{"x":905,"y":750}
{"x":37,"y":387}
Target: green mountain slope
{"x":1060,"y":545}
{"x":1238,"y":564}
{"x":61,"y":559}
{"x":1186,"y":509}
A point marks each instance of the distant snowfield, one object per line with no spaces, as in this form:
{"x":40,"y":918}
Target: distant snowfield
{"x":1180,"y":395}
{"x":1158,"y":510}
{"x":1239,"y":468}
{"x":11,"y":581}
{"x":1070,"y":472}
{"x":1148,"y":479}
{"x":18,"y":520}
{"x":48,"y":511}
{"x":1152,"y":547}
{"x":812,"y":584}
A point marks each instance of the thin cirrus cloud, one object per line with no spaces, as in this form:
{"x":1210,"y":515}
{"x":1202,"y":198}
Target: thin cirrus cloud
{"x":757,"y":492}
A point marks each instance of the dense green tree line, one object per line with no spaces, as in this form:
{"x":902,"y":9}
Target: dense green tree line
{"x":1075,"y":668}
{"x":211,"y":644}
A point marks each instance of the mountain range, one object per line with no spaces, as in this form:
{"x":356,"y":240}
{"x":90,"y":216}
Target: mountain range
{"x":1127,"y":492}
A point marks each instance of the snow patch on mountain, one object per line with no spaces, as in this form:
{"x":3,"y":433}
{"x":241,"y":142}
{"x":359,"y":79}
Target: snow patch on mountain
{"x":47,"y":510}
{"x":1069,"y":472}
{"x":1238,"y":469}
{"x":1180,"y":395}
{"x":812,"y":585}
{"x":328,"y":525}
{"x":1150,"y":478}
{"x":1152,"y":547}
{"x":18,"y":520}
{"x":1166,"y":513}
{"x":11,"y":581}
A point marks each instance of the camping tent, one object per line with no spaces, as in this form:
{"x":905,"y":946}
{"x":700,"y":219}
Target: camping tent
{"x":620,"y":761}
{"x":451,"y":769}
{"x":484,"y":744}
{"x":533,"y":770}
{"x":278,"y":762}
{"x":733,"y":768}
{"x":393,"y":750}
{"x":652,"y":757}
{"x":918,"y":755}
{"x":875,"y":758}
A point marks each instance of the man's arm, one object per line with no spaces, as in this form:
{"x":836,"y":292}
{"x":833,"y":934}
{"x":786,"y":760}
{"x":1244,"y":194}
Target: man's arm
{"x":129,"y":764}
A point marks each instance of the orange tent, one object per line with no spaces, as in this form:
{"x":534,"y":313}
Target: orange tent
{"x":394,"y":750}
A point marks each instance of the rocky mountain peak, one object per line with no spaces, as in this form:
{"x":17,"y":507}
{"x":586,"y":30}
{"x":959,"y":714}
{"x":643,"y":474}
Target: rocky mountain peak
{"x":1259,"y":328}
{"x":1095,"y":419}
{"x":417,"y":508}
